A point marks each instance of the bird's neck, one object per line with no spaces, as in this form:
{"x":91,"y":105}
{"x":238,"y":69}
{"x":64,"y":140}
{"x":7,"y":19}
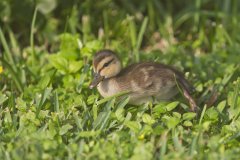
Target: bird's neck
{"x":108,"y":87}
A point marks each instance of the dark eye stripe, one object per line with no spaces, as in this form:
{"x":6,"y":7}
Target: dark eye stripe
{"x":106,"y":64}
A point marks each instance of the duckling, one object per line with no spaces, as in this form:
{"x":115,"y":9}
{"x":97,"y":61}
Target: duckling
{"x":144,"y":81}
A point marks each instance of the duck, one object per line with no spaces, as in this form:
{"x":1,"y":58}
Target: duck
{"x":143,"y":82}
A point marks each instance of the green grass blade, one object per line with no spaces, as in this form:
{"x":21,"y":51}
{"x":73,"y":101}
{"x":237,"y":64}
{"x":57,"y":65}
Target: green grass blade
{"x":140,"y":38}
{"x":110,"y":97}
{"x":56,"y":102}
{"x":15,"y":45}
{"x":106,"y":25}
{"x":14,"y":75}
{"x":193,"y":147}
{"x":82,"y":78}
{"x":202,"y":114}
{"x":132,"y":28}
{"x":46,"y":93}
{"x":235,"y":98}
{"x":163,"y":149}
{"x":197,"y":14}
{"x":103,"y":117}
{"x":32,"y":32}
{"x":9,"y":57}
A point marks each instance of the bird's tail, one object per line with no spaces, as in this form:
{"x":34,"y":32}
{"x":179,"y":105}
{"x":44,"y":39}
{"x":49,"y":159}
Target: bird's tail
{"x":188,"y":90}
{"x":185,"y":84}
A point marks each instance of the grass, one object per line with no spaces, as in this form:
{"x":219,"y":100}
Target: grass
{"x":47,"y":110}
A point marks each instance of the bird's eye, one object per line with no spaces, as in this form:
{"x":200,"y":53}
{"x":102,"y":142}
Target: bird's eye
{"x":107,"y":64}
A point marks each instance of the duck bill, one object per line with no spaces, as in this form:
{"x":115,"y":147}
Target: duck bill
{"x":96,"y":80}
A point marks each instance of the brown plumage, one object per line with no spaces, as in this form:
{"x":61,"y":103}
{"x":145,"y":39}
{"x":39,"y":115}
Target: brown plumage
{"x":145,"y":81}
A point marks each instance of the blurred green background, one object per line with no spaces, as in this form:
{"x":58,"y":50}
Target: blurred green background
{"x":184,"y":19}
{"x":47,"y":110}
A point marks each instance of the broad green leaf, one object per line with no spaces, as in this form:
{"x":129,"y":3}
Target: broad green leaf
{"x":212,"y":113}
{"x":60,"y":63}
{"x":69,"y":48}
{"x":189,"y":116}
{"x":92,"y":98}
{"x":172,"y":122}
{"x":133,"y":125}
{"x":147,"y":129}
{"x":148,"y":119}
{"x":46,"y":6}
{"x":3,"y":98}
{"x":91,"y":47}
{"x":177,"y":115}
{"x":119,"y":114}
{"x":171,"y":106}
{"x":65,"y":128}
{"x":206,"y":125}
{"x":187,"y":123}
{"x":75,"y":66}
{"x":221,"y":105}
{"x":160,"y":108}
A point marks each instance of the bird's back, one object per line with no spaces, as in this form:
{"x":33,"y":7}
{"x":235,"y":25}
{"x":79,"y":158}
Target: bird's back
{"x":148,"y":80}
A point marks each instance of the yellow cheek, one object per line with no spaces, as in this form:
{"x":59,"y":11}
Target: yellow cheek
{"x":108,"y":72}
